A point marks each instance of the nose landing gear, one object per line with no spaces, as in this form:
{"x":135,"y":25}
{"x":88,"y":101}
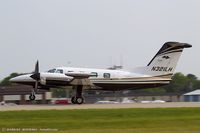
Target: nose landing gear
{"x":32,"y":96}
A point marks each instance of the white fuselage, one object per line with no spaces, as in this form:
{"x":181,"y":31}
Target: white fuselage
{"x":103,"y":78}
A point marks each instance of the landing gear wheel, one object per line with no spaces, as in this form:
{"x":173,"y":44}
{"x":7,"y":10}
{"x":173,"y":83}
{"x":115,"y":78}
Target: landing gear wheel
{"x":73,"y":100}
{"x":32,"y":97}
{"x":79,"y":100}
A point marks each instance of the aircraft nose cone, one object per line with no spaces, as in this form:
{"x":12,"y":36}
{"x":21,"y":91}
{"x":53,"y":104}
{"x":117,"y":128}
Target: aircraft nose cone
{"x":15,"y":79}
{"x":12,"y":80}
{"x":22,"y":78}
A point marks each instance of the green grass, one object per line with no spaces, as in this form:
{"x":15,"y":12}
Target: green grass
{"x":168,"y":120}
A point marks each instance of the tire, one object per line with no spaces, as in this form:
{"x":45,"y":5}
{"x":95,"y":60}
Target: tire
{"x":79,"y":100}
{"x":32,"y":97}
{"x":73,"y":100}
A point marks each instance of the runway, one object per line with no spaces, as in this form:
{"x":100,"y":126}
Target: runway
{"x":99,"y":106}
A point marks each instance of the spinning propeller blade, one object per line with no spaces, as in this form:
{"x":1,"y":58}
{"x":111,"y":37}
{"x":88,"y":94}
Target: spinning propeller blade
{"x":36,"y":75}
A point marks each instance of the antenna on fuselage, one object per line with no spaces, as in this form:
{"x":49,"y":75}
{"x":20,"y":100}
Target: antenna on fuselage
{"x":117,"y":67}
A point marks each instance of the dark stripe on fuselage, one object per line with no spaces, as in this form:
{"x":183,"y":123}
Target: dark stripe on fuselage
{"x":57,"y":82}
{"x":128,"y":86}
{"x":49,"y":83}
{"x":164,"y":75}
{"x":116,"y":81}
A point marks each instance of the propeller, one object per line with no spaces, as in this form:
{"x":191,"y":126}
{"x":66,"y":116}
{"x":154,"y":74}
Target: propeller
{"x":36,"y":76}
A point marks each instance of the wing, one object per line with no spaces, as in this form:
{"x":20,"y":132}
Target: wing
{"x":80,"y":79}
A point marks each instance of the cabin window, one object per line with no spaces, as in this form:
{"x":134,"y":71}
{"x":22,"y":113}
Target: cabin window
{"x":52,"y":71}
{"x":94,"y":74}
{"x":59,"y":71}
{"x":106,"y":75}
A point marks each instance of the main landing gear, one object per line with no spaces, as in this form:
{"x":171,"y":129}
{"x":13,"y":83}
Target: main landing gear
{"x":78,"y":98}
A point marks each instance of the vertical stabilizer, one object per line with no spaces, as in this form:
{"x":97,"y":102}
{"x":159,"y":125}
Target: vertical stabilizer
{"x":165,"y":61}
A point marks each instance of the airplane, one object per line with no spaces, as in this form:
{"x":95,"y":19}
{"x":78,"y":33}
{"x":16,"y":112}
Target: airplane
{"x":158,"y":72}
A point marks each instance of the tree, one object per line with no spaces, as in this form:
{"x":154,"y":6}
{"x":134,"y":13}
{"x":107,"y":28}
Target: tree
{"x":6,"y":81}
{"x":192,"y":76}
{"x":182,"y":83}
{"x":62,"y":92}
{"x":179,"y":84}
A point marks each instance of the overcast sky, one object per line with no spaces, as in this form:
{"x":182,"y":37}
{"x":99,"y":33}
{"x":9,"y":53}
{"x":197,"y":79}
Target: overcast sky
{"x":95,"y":33}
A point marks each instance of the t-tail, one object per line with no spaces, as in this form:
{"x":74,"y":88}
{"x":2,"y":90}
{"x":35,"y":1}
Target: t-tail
{"x":164,"y":62}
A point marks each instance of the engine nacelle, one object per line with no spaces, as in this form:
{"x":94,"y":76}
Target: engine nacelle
{"x":43,"y":80}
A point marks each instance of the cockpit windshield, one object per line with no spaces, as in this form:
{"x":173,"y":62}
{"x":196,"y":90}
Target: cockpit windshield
{"x":55,"y":71}
{"x":52,"y":71}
